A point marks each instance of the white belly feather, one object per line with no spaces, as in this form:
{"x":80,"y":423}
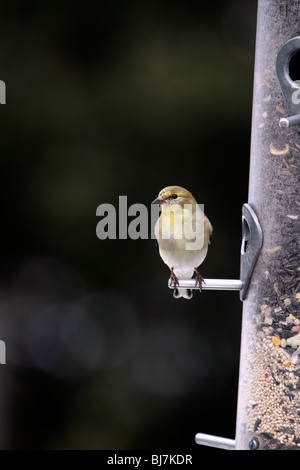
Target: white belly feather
{"x":174,"y":239}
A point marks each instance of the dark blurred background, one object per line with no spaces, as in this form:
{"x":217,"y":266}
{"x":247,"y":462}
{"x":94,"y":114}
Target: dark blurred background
{"x":107,"y":99}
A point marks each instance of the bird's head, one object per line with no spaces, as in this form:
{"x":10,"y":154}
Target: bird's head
{"x":174,"y":195}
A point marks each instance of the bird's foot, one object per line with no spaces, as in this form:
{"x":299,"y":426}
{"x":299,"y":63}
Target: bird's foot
{"x":174,"y":279}
{"x":198,"y":279}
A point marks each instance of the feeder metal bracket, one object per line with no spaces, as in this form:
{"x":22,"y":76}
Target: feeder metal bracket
{"x":251,"y":245}
{"x":290,"y":88}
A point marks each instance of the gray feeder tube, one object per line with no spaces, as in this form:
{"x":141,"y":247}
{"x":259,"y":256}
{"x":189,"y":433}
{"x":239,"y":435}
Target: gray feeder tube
{"x":269,"y":382}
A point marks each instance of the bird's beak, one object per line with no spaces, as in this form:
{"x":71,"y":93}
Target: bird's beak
{"x":159,"y":200}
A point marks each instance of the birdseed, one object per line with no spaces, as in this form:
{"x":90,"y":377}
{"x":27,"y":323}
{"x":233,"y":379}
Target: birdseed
{"x":272,"y":371}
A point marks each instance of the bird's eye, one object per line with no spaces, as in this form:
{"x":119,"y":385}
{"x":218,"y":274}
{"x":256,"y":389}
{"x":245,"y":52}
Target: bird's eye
{"x":174,"y":196}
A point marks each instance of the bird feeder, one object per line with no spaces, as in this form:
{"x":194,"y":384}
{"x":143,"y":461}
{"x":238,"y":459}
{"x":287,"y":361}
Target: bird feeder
{"x":269,"y":379}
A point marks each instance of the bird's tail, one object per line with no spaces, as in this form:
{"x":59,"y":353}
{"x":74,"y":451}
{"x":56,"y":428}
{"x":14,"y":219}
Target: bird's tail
{"x":185,"y":293}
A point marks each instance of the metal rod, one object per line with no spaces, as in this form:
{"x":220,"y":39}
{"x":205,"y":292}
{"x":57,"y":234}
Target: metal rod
{"x":290,"y":121}
{"x":215,"y":441}
{"x":210,"y":284}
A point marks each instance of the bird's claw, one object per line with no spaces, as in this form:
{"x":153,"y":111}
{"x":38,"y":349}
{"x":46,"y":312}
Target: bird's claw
{"x":173,"y":279}
{"x":198,"y":280}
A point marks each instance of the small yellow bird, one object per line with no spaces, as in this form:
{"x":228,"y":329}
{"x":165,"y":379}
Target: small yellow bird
{"x":183,"y":234}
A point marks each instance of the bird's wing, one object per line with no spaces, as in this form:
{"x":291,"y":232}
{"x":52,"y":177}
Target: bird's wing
{"x":210,"y":234}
